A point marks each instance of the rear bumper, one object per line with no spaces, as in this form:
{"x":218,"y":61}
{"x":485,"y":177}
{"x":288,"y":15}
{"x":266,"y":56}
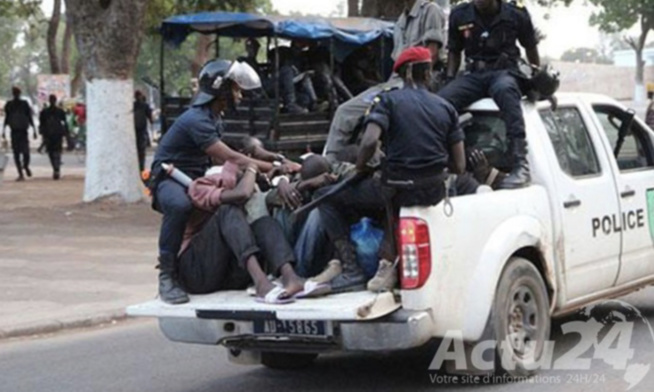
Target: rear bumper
{"x":399,"y":330}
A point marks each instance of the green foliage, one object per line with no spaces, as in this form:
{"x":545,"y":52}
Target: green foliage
{"x":544,"y":3}
{"x":19,"y":8}
{"x":177,"y":70}
{"x":621,"y":15}
{"x":23,"y":48}
{"x":159,"y":10}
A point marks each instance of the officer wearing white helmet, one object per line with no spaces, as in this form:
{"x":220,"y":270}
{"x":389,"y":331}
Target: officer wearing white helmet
{"x":189,"y":145}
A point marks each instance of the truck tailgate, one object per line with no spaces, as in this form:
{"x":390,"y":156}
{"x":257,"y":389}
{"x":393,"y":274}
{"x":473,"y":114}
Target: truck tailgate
{"x":361,"y":305}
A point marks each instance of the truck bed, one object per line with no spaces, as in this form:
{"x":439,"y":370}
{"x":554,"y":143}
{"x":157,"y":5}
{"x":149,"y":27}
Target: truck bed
{"x":355,"y":306}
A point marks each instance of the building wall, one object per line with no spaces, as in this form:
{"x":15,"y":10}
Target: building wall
{"x":627,"y":58}
{"x":616,"y":82}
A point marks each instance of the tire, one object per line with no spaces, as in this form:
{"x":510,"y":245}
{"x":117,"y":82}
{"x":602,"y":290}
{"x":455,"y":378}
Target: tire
{"x":287,"y":361}
{"x":520,"y":311}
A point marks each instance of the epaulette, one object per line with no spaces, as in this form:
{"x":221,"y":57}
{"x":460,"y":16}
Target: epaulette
{"x":519,"y":4}
{"x":461,"y":6}
{"x":377,"y":98}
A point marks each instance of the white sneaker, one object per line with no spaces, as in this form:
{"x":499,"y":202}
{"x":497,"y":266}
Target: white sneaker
{"x":332,"y":270}
{"x":385,"y":279}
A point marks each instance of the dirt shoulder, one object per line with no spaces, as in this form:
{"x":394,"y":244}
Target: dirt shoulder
{"x":64,"y":261}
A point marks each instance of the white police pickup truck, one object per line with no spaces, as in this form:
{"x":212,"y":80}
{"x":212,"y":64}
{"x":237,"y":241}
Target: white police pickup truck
{"x":496,"y":265}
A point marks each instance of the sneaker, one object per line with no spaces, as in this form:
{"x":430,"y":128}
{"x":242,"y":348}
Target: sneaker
{"x":332,"y":270}
{"x":28,"y":171}
{"x":322,"y":107}
{"x":385,"y":279}
{"x":296,"y":109}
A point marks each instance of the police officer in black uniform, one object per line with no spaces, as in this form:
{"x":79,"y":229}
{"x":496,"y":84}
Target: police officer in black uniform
{"x":421,"y":137}
{"x":487,"y":31}
{"x":189,"y":145}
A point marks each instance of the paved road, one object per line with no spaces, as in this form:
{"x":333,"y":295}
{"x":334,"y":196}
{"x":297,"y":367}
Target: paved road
{"x":134,"y":356}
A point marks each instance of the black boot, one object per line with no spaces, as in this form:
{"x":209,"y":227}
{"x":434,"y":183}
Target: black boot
{"x":519,"y":176}
{"x":169,"y":289}
{"x":352,"y":277}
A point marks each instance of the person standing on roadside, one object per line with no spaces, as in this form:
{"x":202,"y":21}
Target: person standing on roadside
{"x":18,"y":116}
{"x":142,"y":116}
{"x":54,"y":128}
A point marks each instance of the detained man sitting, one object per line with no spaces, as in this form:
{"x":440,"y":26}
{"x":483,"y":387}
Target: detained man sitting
{"x":221,"y":251}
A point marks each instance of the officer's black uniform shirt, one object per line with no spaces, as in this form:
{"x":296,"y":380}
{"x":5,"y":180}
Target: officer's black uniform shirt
{"x":187,"y":139}
{"x":485,"y":39}
{"x":418,"y":129}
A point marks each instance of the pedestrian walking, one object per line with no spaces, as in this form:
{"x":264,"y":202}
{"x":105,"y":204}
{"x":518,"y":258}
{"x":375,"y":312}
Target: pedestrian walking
{"x":18,"y":117}
{"x":54,"y":128}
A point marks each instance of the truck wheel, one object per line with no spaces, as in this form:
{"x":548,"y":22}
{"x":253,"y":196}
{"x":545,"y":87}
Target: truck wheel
{"x":521,"y":318}
{"x":287,"y":361}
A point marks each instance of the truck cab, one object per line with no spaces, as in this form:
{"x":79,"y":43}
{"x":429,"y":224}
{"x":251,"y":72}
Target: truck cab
{"x":495,"y":265}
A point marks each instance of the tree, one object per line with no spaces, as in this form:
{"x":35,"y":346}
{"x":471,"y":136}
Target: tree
{"x":19,"y":8}
{"x":53,"y":26}
{"x":352,"y":8}
{"x":59,"y":55}
{"x":184,"y":62}
{"x":108,"y":35}
{"x":23,"y":49}
{"x":615,"y":16}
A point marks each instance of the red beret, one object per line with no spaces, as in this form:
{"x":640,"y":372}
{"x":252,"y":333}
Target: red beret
{"x":416,"y":54}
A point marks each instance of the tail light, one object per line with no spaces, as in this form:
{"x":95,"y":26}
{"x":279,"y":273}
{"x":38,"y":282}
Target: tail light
{"x":415,"y":253}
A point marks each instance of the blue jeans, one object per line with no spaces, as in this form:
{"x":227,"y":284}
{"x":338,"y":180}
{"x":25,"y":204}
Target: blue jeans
{"x":312,"y":248}
{"x":176,"y":207}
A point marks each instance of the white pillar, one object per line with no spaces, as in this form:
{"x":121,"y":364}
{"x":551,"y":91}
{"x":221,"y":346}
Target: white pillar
{"x":111,"y":160}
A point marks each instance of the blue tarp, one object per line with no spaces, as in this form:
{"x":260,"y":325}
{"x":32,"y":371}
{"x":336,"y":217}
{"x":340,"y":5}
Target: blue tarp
{"x":348,"y":31}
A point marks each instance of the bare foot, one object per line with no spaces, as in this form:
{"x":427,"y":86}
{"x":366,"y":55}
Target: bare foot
{"x":293,"y":284}
{"x":263,"y":287}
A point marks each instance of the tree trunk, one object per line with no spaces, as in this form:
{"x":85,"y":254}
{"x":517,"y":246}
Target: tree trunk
{"x":78,"y":75}
{"x":65,"y":51}
{"x":51,"y":39}
{"x":640,"y":93}
{"x":352,"y":8}
{"x":369,"y":8}
{"x":202,"y":48}
{"x":108,"y":35}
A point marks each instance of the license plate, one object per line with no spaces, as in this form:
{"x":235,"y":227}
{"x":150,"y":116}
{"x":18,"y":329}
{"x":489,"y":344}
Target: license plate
{"x":291,"y":327}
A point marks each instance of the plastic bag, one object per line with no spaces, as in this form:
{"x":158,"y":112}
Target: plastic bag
{"x":367,"y":238}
